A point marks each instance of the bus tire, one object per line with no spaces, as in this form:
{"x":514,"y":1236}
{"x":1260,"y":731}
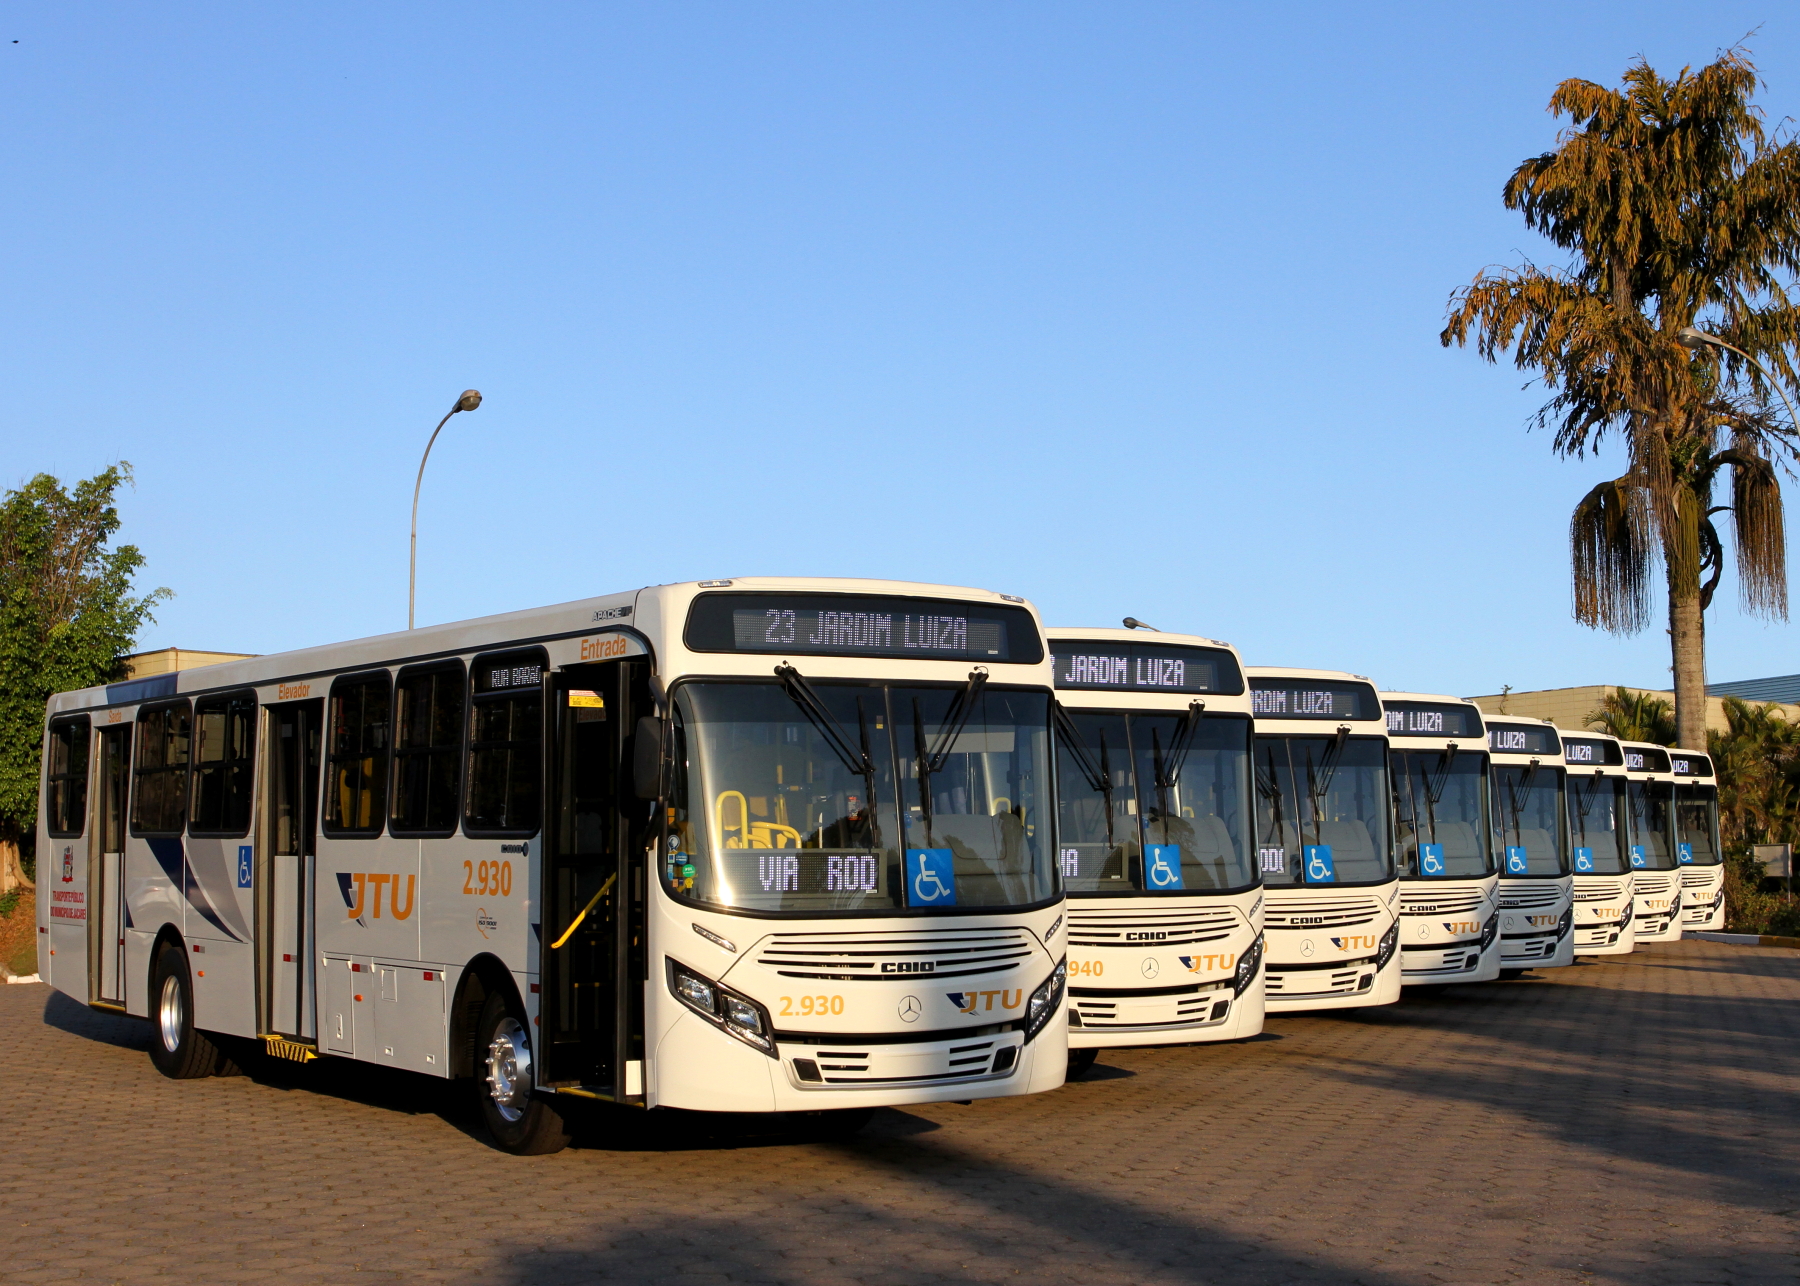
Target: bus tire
{"x":1512,"y":975}
{"x":519,"y":1118}
{"x":177,"y":1048}
{"x":1080,"y":1060}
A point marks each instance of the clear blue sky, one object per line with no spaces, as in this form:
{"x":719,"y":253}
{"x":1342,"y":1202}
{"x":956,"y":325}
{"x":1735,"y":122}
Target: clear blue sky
{"x":1126,"y":308}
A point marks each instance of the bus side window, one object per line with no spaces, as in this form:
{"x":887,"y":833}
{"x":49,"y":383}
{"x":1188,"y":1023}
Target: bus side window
{"x":356,"y":780}
{"x":225,"y":728}
{"x":66,"y":777}
{"x":506,"y":743}
{"x":428,"y":743}
{"x":159,"y":793}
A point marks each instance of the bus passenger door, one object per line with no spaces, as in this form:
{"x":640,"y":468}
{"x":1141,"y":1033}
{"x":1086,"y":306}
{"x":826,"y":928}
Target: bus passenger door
{"x":112,"y":770}
{"x":287,"y":965}
{"x":592,"y":886}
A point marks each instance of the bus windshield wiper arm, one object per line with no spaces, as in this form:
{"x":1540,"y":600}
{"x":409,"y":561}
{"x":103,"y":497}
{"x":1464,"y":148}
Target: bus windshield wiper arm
{"x":928,"y":762}
{"x":856,"y":758}
{"x":1168,"y":768}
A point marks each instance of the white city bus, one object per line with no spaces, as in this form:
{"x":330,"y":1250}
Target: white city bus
{"x":755,"y":845}
{"x":1655,"y":873}
{"x":1594,"y":795}
{"x":1443,"y":840}
{"x":1154,"y":833}
{"x":1537,"y":883}
{"x":1324,"y":840}
{"x":1697,"y":849}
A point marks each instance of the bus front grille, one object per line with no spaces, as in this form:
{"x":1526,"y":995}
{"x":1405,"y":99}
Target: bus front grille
{"x":896,"y":957}
{"x":1423,"y":903}
{"x":1320,"y":913}
{"x":1528,"y":899}
{"x":1091,"y":927}
{"x":1600,"y":891}
{"x":938,"y":1062}
{"x":1654,"y":885}
{"x":1139,"y":1012}
{"x":1695,"y":879}
{"x":1283,"y":985}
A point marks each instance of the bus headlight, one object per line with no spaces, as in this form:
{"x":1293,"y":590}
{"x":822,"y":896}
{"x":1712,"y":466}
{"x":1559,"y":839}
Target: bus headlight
{"x":1390,"y":942}
{"x":1566,"y":923}
{"x":1490,"y":931}
{"x":1630,"y":910}
{"x":731,"y":1013}
{"x":1247,"y":965}
{"x":1045,"y":999}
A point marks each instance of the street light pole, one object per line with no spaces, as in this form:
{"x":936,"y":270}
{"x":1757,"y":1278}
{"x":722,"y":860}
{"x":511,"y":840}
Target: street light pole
{"x":1693,"y":337}
{"x":467,"y":402}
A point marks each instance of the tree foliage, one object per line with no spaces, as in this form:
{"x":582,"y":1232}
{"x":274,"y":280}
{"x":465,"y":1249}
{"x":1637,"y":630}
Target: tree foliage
{"x":1676,"y":209}
{"x":1634,"y":716}
{"x":1757,"y":760}
{"x":67,"y":617}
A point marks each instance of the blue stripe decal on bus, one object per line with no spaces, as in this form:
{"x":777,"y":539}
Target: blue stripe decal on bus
{"x":157,"y":686}
{"x":167,"y":850}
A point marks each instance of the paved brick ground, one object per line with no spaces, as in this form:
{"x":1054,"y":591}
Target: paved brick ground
{"x":1635,"y":1121}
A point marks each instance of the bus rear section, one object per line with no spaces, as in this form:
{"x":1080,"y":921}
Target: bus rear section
{"x":1154,"y":841}
{"x":1443,"y":842}
{"x":1537,"y":880}
{"x":1698,"y":853}
{"x":1655,"y":870}
{"x":1595,"y":800}
{"x":1324,"y":840}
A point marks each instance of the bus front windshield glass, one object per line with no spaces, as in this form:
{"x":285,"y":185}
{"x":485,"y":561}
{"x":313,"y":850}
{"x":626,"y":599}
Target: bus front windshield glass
{"x":1652,"y":817}
{"x":1322,"y":807}
{"x":1696,"y":823}
{"x":1597,"y":824}
{"x":1527,"y":820}
{"x":1151,"y":803}
{"x":860,"y":797}
{"x":1440,"y":814}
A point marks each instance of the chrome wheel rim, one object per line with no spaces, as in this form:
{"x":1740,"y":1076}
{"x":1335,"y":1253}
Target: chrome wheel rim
{"x":170,"y":1012}
{"x":509,"y":1069}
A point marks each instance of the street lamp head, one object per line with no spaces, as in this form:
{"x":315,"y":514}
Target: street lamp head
{"x":1691,"y":337}
{"x":1132,"y":623}
{"x":470,"y":399}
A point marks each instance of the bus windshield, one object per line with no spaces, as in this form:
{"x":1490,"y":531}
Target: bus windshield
{"x":1528,"y":820}
{"x":1652,"y":847}
{"x":1597,"y":825}
{"x":1696,"y":822}
{"x":1440,"y":814}
{"x":1322,"y":808}
{"x":860,"y":797}
{"x":1147,"y":803}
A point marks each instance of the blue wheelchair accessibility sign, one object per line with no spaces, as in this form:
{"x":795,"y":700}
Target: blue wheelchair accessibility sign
{"x":930,"y":877}
{"x":1684,"y":853}
{"x":1162,"y":866}
{"x":244,"y":864}
{"x":1516,"y":861}
{"x":1319,"y":869}
{"x":1584,"y":859}
{"x":1637,"y":855}
{"x":1431,"y":859}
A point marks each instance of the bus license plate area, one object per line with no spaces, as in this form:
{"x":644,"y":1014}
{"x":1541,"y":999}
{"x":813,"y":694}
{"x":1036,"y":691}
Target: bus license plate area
{"x":852,"y":1064}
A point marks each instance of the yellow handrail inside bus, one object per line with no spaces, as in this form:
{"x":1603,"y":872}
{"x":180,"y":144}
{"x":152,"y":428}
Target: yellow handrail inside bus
{"x":584,"y":910}
{"x":750,"y":834}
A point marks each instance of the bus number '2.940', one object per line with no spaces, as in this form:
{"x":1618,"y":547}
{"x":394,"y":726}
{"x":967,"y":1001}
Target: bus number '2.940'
{"x":489,"y":879}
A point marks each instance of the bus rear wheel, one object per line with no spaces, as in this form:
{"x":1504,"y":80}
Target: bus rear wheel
{"x":178,"y":1050}
{"x":1080,"y":1060}
{"x":518,"y":1117}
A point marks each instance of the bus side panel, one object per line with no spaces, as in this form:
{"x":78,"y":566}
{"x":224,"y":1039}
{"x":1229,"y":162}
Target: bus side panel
{"x":474,"y":901}
{"x":153,"y":901}
{"x":367,"y":897}
{"x":216,"y":888}
{"x":63,"y":892}
{"x":224,"y":981}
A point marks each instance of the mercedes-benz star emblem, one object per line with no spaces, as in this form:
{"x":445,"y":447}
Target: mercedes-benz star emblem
{"x":1149,"y":966}
{"x":1306,"y":947}
{"x":909,"y":1009}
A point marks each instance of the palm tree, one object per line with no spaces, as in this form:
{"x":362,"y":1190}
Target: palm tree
{"x":1678,"y":211}
{"x":1634,"y":716}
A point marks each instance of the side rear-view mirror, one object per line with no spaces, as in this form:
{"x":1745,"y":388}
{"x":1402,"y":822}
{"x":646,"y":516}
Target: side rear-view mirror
{"x":647,"y":758}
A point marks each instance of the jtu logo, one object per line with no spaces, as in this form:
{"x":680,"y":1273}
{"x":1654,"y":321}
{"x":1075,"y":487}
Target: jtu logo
{"x":368,"y":889}
{"x":1462,"y":926}
{"x":1355,"y":942}
{"x":1224,"y":960}
{"x":983,"y":1001}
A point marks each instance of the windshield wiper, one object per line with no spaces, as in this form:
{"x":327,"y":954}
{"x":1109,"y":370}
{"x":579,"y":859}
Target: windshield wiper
{"x":1099,"y":779}
{"x":932,"y":761}
{"x":854,"y":757}
{"x":1165,"y":770}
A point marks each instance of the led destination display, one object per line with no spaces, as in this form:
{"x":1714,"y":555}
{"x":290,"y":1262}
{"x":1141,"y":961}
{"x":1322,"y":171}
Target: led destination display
{"x":1523,"y":739}
{"x":1313,"y":699}
{"x":1584,"y":750}
{"x":863,"y":625}
{"x":1647,"y":761}
{"x":1431,"y":719}
{"x":1144,"y":667}
{"x":1684,"y":765}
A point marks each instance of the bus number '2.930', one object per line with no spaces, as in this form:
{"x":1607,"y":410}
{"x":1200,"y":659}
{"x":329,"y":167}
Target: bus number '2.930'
{"x":811,"y":1005}
{"x":489,"y":879}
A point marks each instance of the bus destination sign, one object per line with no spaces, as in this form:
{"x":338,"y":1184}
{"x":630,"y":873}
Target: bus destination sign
{"x":1523,"y":739}
{"x":1431,"y":719}
{"x":1313,"y":699}
{"x":863,"y":625}
{"x":1143,"y":667}
{"x":1591,"y":750}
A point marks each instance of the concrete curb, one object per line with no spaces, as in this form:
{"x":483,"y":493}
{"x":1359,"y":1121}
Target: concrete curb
{"x":1750,"y":940}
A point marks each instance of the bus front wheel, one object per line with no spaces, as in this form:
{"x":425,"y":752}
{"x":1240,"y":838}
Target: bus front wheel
{"x":1080,"y":1060}
{"x":177,"y":1048}
{"x":518,"y":1117}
